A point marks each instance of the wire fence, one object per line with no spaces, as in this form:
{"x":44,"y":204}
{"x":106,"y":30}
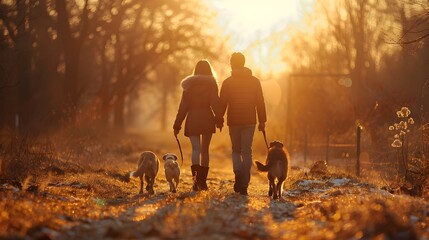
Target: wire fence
{"x":356,"y":155}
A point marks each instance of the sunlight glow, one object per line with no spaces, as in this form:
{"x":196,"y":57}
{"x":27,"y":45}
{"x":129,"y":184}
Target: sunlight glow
{"x":257,"y":28}
{"x":258,"y":17}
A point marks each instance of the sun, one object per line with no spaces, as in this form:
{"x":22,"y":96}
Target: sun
{"x":249,"y":24}
{"x":249,"y":20}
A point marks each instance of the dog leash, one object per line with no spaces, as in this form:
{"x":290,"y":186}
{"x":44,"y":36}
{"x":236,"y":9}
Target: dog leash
{"x":180,"y":148}
{"x":265,"y":138}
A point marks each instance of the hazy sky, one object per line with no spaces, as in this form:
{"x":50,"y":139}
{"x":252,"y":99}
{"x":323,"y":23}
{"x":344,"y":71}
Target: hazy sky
{"x":248,"y":23}
{"x":249,"y":20}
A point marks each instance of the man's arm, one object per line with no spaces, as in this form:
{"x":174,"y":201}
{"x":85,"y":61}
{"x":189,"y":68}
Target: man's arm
{"x":216,"y":106}
{"x":223,"y":98}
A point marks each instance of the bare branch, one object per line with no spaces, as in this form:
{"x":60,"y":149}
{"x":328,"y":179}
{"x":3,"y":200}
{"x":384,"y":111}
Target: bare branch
{"x":415,"y":40}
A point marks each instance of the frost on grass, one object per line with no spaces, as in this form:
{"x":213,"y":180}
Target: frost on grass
{"x":403,"y":113}
{"x":401,"y":128}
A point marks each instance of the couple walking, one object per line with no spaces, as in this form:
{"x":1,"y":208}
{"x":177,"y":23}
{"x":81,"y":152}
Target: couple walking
{"x":241,"y":95}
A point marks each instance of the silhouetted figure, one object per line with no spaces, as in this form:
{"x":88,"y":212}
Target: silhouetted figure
{"x":241,"y":94}
{"x":201,"y":106}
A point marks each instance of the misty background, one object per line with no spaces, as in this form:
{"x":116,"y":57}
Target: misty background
{"x":116,"y":65}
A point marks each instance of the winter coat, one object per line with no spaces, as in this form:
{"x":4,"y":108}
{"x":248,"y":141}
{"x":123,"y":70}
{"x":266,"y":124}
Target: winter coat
{"x":199,"y":104}
{"x":241,"y":94}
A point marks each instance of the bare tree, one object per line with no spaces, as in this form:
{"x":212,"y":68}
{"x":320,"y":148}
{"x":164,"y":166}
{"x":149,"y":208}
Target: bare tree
{"x":72,"y":39}
{"x":74,"y":57}
{"x":153,"y":34}
{"x":415,"y":27}
{"x":16,"y":18}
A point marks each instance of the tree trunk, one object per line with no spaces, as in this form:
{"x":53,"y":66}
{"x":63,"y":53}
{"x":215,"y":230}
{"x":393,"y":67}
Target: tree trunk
{"x":103,"y":111}
{"x":118,"y":117}
{"x":71,"y":47}
{"x":328,"y":135}
{"x":23,"y":48}
{"x":72,"y":82}
{"x":46,"y":59}
{"x":358,"y":26}
{"x":164,"y":108}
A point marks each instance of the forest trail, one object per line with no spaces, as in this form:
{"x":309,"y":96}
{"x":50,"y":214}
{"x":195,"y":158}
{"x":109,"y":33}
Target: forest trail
{"x":100,"y":204}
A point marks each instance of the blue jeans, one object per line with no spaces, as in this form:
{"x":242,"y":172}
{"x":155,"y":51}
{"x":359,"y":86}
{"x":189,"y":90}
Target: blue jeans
{"x":242,"y":139}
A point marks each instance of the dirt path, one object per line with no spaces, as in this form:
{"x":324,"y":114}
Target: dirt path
{"x":218,"y":212}
{"x":324,"y":208}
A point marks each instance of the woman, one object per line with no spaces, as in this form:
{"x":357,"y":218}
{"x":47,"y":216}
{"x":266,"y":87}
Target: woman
{"x":200,"y":105}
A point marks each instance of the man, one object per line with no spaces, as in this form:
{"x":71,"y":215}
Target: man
{"x":241,"y":94}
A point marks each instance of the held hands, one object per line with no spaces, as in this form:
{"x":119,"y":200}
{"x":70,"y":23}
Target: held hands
{"x":220,"y":126}
{"x":261,"y":127}
{"x":219,"y":122}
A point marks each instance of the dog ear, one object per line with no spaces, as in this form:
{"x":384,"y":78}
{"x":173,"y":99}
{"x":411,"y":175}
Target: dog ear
{"x":163,"y":157}
{"x":175,"y":157}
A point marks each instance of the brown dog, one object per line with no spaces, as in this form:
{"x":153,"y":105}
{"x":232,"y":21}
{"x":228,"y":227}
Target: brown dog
{"x":277,"y":167}
{"x":147,"y":166}
{"x":172,"y":171}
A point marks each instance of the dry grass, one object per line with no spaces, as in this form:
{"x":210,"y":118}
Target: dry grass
{"x":84,"y":194}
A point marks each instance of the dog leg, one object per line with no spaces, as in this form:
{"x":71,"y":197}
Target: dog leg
{"x":141,"y":184}
{"x":271,"y":185}
{"x":172,"y":188}
{"x":176,"y":180}
{"x":175,"y":183}
{"x":149,"y":184}
{"x":275,"y":196}
{"x":275,"y":189}
{"x":147,"y":178}
{"x":280,"y":187}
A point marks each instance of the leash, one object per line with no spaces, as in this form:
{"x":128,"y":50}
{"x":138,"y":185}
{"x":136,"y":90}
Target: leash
{"x":180,"y":148}
{"x":265,"y":138}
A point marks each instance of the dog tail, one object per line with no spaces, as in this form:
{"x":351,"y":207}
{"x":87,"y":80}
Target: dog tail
{"x":261,"y":167}
{"x":133,"y":174}
{"x":137,"y":173}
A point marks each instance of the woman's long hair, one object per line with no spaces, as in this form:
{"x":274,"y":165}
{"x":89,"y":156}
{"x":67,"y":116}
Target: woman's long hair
{"x":203,"y":67}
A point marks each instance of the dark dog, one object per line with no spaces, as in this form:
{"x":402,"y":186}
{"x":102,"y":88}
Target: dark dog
{"x":147,"y":166}
{"x":277,"y":167}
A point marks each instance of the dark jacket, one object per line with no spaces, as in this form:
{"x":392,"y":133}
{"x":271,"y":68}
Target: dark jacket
{"x":199,"y":104}
{"x":242,"y":95}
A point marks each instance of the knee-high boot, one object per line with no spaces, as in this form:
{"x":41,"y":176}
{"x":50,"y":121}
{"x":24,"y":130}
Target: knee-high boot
{"x":202,"y":178}
{"x":195,"y":175}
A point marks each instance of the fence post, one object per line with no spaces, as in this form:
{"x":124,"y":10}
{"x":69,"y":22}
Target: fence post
{"x":305,"y":147}
{"x":327,"y":147}
{"x":17,"y":121}
{"x":358,"y":138}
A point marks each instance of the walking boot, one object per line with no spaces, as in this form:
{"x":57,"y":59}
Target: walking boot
{"x":243,"y":187}
{"x":195,"y":170}
{"x":243,"y":191}
{"x":202,"y":178}
{"x":237,"y":183}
